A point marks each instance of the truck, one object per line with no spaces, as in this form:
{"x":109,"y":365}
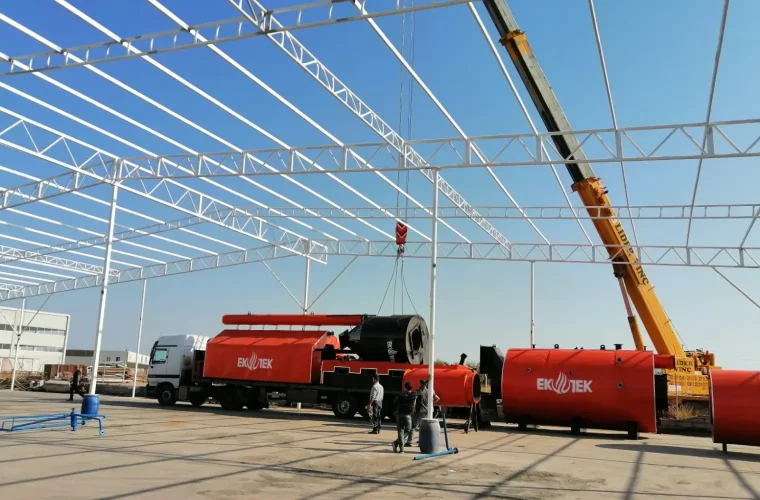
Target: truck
{"x":243,"y":367}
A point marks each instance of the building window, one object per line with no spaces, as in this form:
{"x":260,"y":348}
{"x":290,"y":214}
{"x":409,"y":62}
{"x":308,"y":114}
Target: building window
{"x":108,"y":358}
{"x":118,"y":358}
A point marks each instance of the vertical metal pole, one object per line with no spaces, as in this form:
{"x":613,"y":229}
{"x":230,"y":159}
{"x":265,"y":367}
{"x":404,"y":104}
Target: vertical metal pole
{"x":433,"y":277}
{"x":18,"y":342}
{"x":139,"y":337}
{"x":104,"y":291}
{"x":65,"y":340}
{"x":306,"y":286}
{"x":532,"y":305}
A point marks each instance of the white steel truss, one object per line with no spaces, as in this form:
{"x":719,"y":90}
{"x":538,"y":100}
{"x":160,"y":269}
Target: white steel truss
{"x":205,"y":34}
{"x":291,"y":46}
{"x":235,"y":258}
{"x":650,"y":255}
{"x":8,"y":254}
{"x":169,"y":193}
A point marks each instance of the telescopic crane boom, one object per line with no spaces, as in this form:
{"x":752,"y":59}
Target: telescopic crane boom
{"x":634,"y":282}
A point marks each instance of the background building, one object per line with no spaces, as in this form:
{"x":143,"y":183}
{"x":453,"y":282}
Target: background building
{"x":107,"y":358}
{"x":43,"y":339}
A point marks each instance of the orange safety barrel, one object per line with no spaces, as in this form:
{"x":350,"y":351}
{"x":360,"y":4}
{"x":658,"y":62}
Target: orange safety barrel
{"x":456,"y":385}
{"x":267,"y":355}
{"x":580,"y":388}
{"x":294,"y":319}
{"x":735,"y":403}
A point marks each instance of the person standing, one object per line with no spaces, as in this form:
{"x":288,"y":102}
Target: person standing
{"x":75,"y":385}
{"x":421,"y":408}
{"x":404,"y":409}
{"x":376,"y":404}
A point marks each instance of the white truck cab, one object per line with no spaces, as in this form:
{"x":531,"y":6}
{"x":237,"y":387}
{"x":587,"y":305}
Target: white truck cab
{"x":170,"y":358}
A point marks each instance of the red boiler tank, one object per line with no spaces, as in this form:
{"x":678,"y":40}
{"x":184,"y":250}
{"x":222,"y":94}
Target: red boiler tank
{"x":456,"y":385}
{"x":735,"y":403}
{"x":580,"y":388}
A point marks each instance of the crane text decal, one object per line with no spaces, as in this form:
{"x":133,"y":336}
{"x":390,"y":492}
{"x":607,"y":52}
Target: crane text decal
{"x":563,"y":385}
{"x":255,"y":363}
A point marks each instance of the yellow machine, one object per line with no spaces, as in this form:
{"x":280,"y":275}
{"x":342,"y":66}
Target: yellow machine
{"x":688,"y":378}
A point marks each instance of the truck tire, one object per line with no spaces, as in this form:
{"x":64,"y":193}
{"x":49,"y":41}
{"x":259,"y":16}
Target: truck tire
{"x":232,"y":398}
{"x":166,"y":395}
{"x":197,"y":398}
{"x":344,"y":405}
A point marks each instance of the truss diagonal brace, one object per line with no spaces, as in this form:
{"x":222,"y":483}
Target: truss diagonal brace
{"x":8,"y":254}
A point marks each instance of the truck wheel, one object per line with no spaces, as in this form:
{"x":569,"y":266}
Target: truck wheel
{"x":232,"y":398}
{"x":197,"y":398}
{"x":165,"y":395}
{"x":344,"y":405}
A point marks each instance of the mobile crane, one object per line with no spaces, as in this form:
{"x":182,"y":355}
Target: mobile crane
{"x":687,"y":376}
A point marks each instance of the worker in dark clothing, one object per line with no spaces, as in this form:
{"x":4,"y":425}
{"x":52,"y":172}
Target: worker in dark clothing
{"x":404,"y":409}
{"x":75,"y":385}
{"x":421,"y":408}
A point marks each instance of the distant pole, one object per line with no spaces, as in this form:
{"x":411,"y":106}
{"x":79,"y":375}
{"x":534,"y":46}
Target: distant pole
{"x":65,"y":340}
{"x":306,"y":286}
{"x":18,"y":343}
{"x":532,"y":305}
{"x":433,"y":278}
{"x":139,"y":337}
{"x":104,"y":290}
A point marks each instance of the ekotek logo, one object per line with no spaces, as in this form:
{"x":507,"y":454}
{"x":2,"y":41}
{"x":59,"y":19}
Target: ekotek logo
{"x":255,"y":363}
{"x":563,"y":385}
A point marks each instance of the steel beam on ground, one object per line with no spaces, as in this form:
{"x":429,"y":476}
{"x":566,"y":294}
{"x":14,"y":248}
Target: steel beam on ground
{"x":217,"y":32}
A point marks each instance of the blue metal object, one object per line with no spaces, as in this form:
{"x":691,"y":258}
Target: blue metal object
{"x":30,"y":422}
{"x":447,"y":451}
{"x":90,"y":404}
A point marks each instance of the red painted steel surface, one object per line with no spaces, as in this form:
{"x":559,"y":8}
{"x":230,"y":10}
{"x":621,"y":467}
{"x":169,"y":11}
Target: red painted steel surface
{"x":664,"y":361}
{"x":266,"y":355}
{"x":294,"y":319}
{"x":735,"y":400}
{"x":606,"y":389}
{"x":456,"y":385}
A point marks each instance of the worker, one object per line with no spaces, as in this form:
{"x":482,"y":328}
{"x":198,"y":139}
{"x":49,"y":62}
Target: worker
{"x":404,"y":409}
{"x":421,"y":407}
{"x":75,"y":385}
{"x":376,"y":404}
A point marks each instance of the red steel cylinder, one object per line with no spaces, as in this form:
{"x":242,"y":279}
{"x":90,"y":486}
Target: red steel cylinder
{"x":580,"y":388}
{"x":294,"y":319}
{"x":735,"y":402}
{"x":456,"y":385}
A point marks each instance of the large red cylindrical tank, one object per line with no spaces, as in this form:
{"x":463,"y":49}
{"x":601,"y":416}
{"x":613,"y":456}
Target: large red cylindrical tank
{"x":267,"y":355}
{"x":456,"y":385}
{"x":735,"y":401}
{"x":294,"y":319}
{"x":580,"y":388}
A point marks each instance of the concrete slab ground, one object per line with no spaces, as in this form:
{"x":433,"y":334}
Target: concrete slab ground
{"x":206,"y":453}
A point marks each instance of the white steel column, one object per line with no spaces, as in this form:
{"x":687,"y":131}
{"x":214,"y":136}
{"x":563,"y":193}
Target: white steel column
{"x":139,"y":337}
{"x":433,"y":277}
{"x":104,"y":291}
{"x":65,"y":340}
{"x":306,"y":287}
{"x":18,"y":342}
{"x":532,"y":305}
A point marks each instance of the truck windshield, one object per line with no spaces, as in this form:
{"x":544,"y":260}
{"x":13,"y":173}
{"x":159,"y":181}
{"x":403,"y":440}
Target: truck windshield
{"x":158,"y":357}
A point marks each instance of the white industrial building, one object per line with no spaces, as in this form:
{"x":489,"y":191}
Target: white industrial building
{"x":44,"y":337}
{"x":107,"y":358}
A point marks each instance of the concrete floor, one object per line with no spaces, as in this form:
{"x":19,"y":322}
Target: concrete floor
{"x":185,"y":452}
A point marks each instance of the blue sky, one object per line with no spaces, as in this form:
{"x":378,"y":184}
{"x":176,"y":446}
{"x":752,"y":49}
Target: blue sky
{"x":659,"y":57}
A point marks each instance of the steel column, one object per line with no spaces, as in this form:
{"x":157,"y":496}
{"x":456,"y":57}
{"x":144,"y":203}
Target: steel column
{"x":306,"y":287}
{"x":65,"y":340}
{"x":532,"y":305}
{"x":18,"y":342}
{"x":433,"y":278}
{"x":104,"y":290}
{"x":139,"y":337}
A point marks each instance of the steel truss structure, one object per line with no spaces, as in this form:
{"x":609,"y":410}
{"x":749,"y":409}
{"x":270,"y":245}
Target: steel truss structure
{"x":88,"y":204}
